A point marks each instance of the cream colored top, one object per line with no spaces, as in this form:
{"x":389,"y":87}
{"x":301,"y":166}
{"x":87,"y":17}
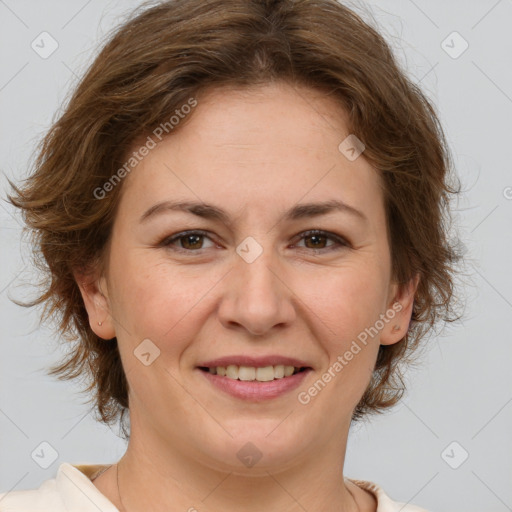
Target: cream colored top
{"x":72,"y":490}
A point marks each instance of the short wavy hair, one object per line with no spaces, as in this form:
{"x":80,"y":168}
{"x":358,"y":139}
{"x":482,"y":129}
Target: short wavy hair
{"x":166,"y":52}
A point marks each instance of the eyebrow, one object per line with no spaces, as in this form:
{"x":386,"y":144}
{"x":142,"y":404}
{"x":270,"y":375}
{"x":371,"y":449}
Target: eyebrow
{"x":208,"y":211}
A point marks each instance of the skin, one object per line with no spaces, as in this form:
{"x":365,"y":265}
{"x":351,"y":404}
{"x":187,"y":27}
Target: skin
{"x":255,"y":153}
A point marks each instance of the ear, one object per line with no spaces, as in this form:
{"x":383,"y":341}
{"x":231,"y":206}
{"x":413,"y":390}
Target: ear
{"x":399,"y":311}
{"x":95,"y":296}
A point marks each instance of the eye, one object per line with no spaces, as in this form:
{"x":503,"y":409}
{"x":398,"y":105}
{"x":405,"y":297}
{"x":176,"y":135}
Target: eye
{"x":319,"y":238}
{"x":190,"y":241}
{"x":193,"y":241}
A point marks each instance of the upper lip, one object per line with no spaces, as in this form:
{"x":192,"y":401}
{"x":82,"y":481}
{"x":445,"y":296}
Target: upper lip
{"x":244,"y":360}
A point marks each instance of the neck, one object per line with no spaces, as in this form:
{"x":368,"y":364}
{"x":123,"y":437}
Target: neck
{"x":177,"y":482}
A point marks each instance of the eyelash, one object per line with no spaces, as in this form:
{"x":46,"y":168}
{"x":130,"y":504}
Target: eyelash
{"x":341,"y":242}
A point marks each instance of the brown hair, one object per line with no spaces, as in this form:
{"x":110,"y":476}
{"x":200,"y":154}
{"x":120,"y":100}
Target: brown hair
{"x":170,"y":52}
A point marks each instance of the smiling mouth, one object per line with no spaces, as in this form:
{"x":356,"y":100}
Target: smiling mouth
{"x":252,"y":373}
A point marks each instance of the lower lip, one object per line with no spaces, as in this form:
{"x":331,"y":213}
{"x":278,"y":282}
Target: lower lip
{"x":254,"y":390}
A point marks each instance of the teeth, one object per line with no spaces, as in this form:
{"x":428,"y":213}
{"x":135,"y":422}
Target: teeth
{"x":232,"y":371}
{"x":251,"y":373}
{"x":279,"y":371}
{"x":265,"y":374}
{"x":246,"y":373}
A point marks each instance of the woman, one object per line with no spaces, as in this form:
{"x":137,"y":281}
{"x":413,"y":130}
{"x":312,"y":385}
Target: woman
{"x":242,"y":210}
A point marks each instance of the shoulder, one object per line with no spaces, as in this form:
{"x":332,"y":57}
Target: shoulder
{"x":71,"y":488}
{"x":45,"y":497}
{"x":384,"y":502}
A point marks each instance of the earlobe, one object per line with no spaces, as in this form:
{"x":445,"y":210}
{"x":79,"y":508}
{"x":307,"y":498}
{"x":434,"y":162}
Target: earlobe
{"x":97,"y":305}
{"x":400,"y":312}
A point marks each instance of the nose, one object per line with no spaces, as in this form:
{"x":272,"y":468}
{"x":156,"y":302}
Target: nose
{"x":257,"y":297}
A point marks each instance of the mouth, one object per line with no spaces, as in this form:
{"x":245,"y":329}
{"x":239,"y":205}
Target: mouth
{"x":254,"y":379}
{"x":254,"y":373}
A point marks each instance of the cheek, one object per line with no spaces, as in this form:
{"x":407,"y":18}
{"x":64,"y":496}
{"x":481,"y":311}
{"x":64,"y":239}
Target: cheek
{"x":156,"y":300}
{"x":347,"y":299}
{"x":350,"y":303}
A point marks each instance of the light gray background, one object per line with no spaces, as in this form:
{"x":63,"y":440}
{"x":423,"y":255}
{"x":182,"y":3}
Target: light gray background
{"x":462,"y":389}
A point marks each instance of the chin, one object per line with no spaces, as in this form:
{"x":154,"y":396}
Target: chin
{"x":257,"y":447}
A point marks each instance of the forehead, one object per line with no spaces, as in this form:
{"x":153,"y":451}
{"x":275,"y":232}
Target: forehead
{"x":261,"y":145}
{"x":281,"y":117}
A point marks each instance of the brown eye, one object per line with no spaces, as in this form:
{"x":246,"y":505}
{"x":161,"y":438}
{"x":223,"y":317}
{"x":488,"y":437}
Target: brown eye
{"x":188,"y":241}
{"x":317,"y":240}
{"x":191,"y":241}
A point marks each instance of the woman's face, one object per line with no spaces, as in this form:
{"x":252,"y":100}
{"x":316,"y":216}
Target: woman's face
{"x":253,"y":283}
